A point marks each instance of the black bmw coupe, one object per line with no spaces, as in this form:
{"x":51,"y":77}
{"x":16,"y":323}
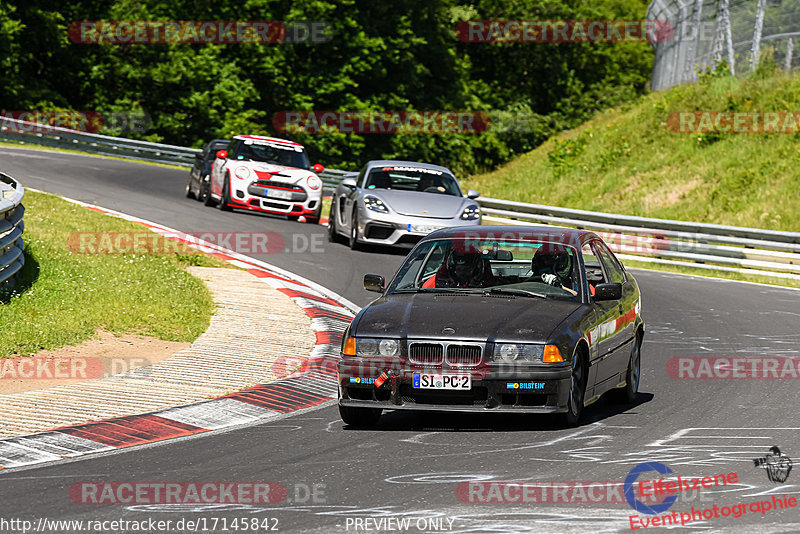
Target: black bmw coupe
{"x":495,"y":319}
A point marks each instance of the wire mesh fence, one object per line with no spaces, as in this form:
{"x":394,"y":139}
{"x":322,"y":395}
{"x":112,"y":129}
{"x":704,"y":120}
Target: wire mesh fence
{"x":706,"y":33}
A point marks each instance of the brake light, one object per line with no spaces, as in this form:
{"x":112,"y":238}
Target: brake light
{"x":551,"y":354}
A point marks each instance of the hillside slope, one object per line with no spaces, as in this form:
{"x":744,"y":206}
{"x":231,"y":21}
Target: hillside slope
{"x":627,"y":160}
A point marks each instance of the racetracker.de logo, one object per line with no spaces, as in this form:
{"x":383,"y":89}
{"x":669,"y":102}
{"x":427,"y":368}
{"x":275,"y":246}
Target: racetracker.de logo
{"x":177,"y":492}
{"x":37,"y":122}
{"x":734,"y":122}
{"x":564,"y":31}
{"x":198,"y":32}
{"x":381,"y":122}
{"x":745,"y":368}
{"x":193,"y":242}
{"x":75,"y":368}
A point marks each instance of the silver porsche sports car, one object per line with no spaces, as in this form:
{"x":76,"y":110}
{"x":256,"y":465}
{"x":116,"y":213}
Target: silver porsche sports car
{"x":398,"y":203}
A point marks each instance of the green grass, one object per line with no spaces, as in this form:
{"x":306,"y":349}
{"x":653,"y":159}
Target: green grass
{"x":626,"y":160}
{"x":64,"y":297}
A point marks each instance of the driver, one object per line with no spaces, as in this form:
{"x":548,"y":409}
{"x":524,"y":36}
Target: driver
{"x":554,"y":267}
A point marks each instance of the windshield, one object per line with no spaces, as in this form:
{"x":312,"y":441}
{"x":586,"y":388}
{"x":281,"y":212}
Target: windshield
{"x":276,"y":153}
{"x":412,"y":179}
{"x":540,"y":269}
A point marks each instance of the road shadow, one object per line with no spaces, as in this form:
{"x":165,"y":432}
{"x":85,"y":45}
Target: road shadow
{"x":422,"y":421}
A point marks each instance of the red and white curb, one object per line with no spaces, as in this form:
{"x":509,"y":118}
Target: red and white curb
{"x":313,"y":383}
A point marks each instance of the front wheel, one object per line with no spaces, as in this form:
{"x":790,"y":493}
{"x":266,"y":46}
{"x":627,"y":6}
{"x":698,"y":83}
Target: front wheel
{"x":354,"y":230}
{"x":577,"y":390}
{"x":189,"y":193}
{"x":333,"y":236}
{"x":628,"y":393}
{"x":361,"y":417}
{"x":225,"y":198}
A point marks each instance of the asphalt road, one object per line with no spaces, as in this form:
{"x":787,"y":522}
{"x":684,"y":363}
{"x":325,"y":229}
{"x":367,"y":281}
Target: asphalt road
{"x":411,"y":466}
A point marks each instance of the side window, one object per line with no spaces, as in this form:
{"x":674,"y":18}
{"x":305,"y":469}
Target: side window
{"x":610,"y":264}
{"x":594,"y":273}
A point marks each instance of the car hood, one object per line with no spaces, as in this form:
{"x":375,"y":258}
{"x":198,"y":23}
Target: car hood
{"x":268,"y":171}
{"x":472,"y":317}
{"x":418,"y":204}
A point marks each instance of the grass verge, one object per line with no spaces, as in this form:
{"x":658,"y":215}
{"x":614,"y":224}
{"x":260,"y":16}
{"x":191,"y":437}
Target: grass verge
{"x":64,"y":297}
{"x":629,"y":160}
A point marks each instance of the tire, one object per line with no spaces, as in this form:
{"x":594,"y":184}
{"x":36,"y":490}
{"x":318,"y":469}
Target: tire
{"x":205,"y":194}
{"x":226,"y":197}
{"x":353,"y":240}
{"x":189,"y":192}
{"x":314,"y":219}
{"x":577,"y":390}
{"x":627,"y":395}
{"x":359,"y":417}
{"x":333,"y":237}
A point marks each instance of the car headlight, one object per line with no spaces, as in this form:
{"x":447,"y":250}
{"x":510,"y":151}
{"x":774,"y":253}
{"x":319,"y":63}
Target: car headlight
{"x":366,"y":347}
{"x":375,"y":204}
{"x":243,"y":173}
{"x":313,"y":182}
{"x":471,"y":213}
{"x":517,"y":352}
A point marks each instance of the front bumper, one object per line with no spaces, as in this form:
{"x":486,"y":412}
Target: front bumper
{"x":539,"y":389}
{"x":394,"y":229}
{"x":246,"y":194}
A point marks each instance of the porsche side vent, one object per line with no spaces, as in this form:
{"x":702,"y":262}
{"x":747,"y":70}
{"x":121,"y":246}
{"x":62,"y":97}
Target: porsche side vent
{"x":426,"y":353}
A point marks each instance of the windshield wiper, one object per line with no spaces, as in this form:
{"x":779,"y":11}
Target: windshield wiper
{"x":515,"y":291}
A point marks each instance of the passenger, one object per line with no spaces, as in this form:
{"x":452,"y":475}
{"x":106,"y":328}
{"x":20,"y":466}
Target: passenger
{"x":462,"y":270}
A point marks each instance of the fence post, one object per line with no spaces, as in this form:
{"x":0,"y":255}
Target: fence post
{"x":756,"y":49}
{"x":789,"y":52}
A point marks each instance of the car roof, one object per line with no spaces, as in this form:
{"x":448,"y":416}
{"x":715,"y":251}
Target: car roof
{"x":263,"y":139}
{"x":403,"y":163}
{"x":567,"y":236}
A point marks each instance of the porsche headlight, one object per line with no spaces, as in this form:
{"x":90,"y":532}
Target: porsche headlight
{"x":313,"y":182}
{"x":366,"y":347}
{"x":471,"y":213}
{"x":375,"y":204}
{"x":243,"y":173}
{"x":517,"y":352}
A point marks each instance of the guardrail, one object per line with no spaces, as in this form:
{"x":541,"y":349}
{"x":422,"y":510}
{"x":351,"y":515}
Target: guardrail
{"x":706,"y":246}
{"x":663,"y":241}
{"x":11,"y":227}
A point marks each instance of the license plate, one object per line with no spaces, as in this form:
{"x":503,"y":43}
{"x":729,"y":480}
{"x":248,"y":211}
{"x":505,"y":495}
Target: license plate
{"x":431,"y":381}
{"x":279,"y":194}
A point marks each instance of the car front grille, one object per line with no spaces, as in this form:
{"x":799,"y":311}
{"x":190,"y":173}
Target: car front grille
{"x":426,"y":353}
{"x":464,"y":355}
{"x":260,"y":188}
{"x":437,"y":353}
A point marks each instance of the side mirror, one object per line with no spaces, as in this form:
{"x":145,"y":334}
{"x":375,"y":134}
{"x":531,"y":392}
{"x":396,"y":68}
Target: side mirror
{"x":222,"y":154}
{"x":317,"y":167}
{"x":473,"y":194}
{"x":373,"y":282}
{"x":608,"y":291}
{"x":349,"y":182}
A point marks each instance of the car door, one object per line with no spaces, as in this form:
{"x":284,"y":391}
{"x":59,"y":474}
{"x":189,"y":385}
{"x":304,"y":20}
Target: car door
{"x":620,"y":331}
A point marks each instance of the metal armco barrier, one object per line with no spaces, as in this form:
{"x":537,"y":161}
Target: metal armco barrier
{"x":705,"y":246}
{"x":11,"y":227}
